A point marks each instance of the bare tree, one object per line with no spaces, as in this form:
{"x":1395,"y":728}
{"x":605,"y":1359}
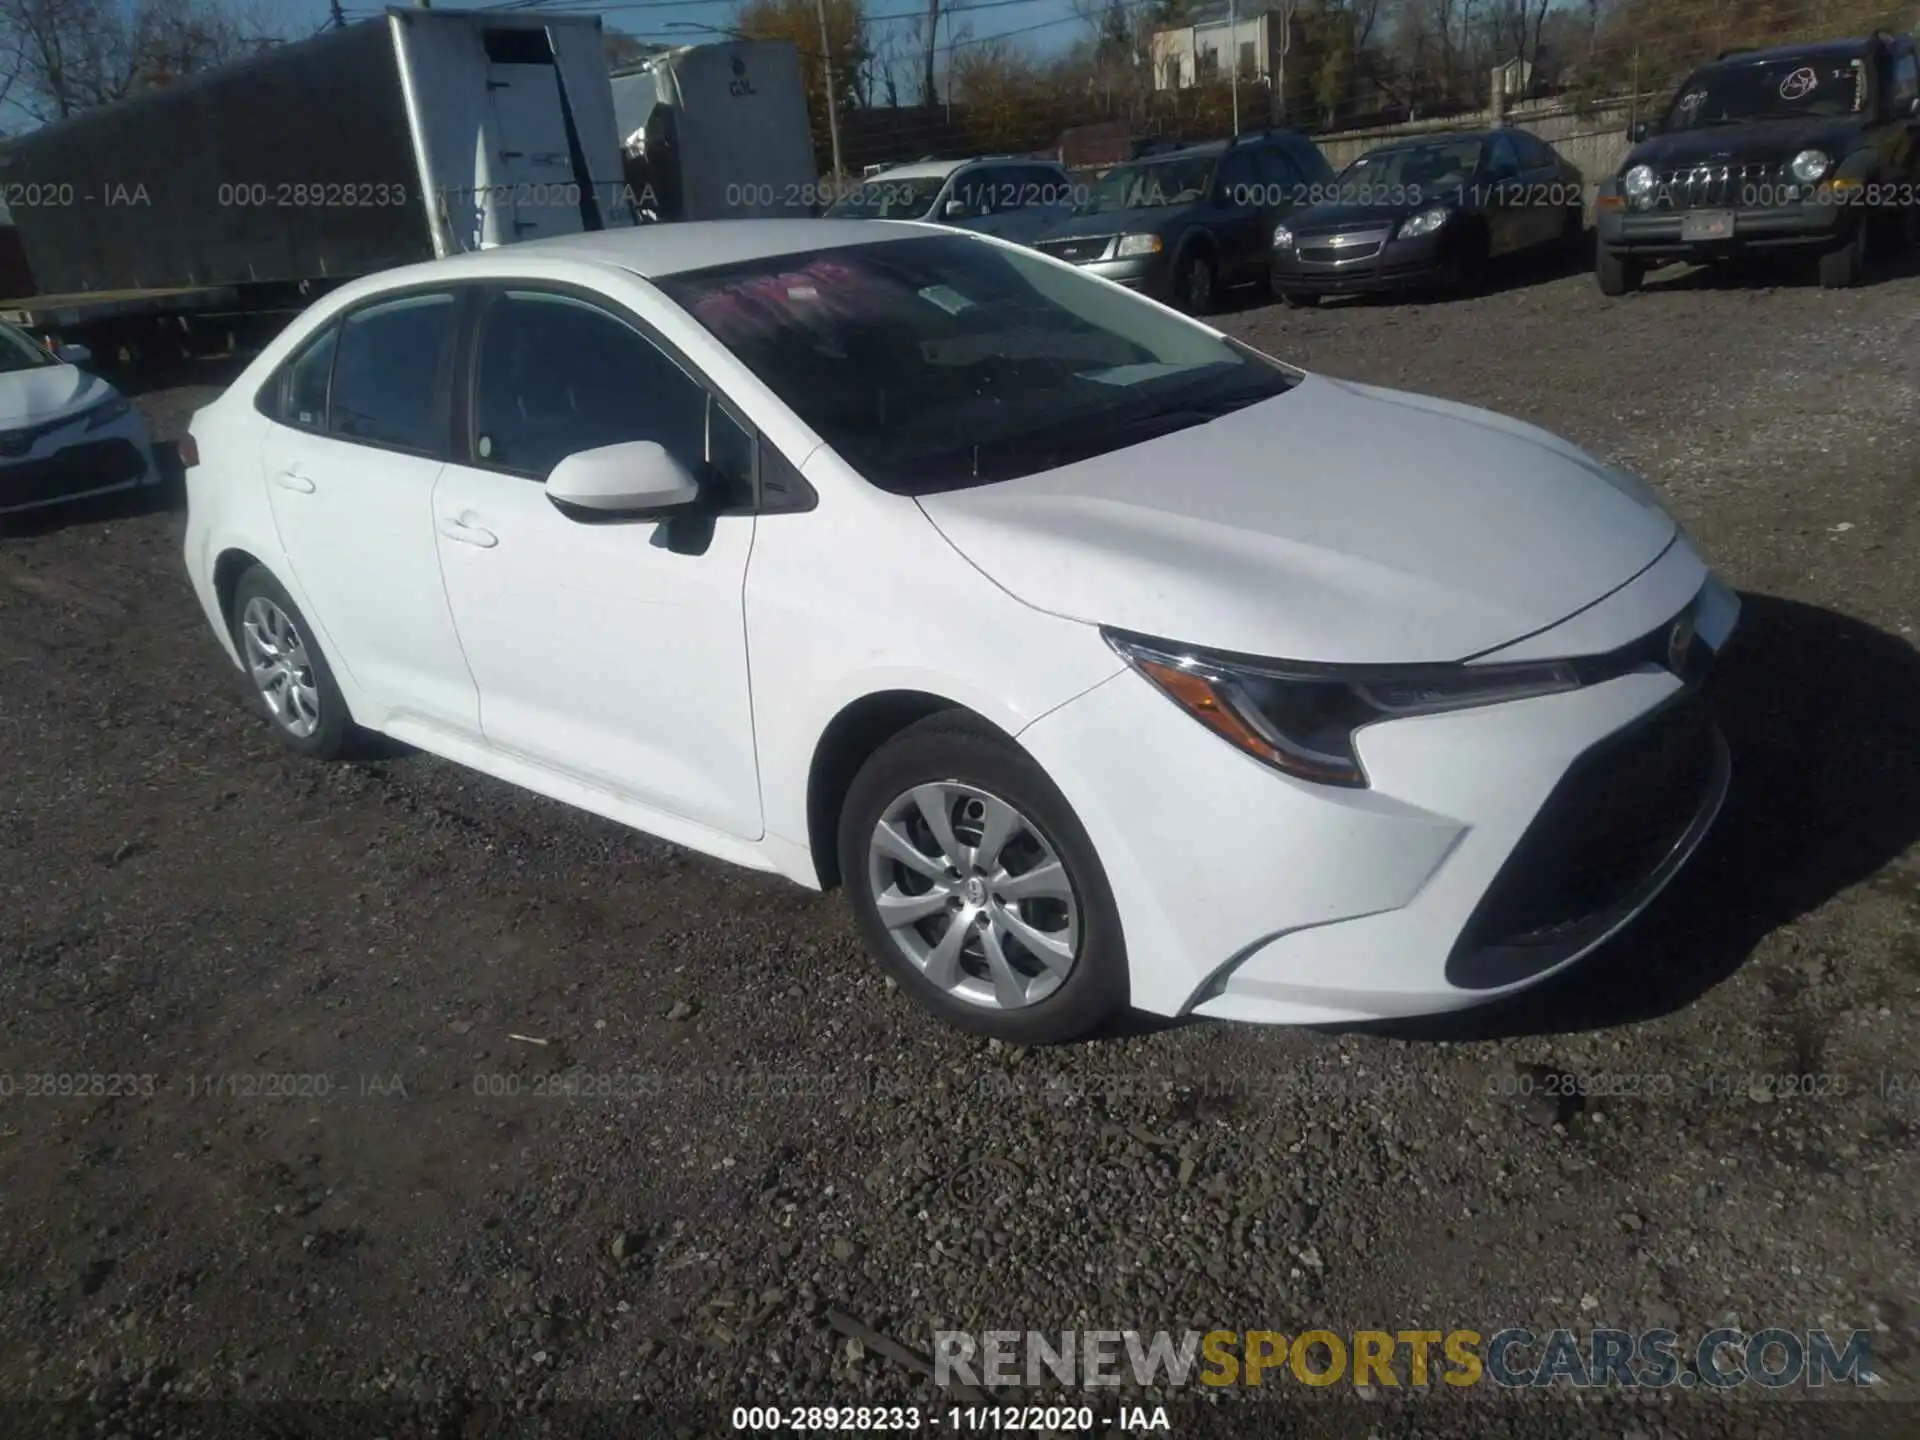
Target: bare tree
{"x":67,"y":56}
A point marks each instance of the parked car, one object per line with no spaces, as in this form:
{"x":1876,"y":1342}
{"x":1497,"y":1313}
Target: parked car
{"x":1434,"y":211}
{"x":1798,"y":150}
{"x":1186,"y":225}
{"x":64,"y":433}
{"x":1103,"y":659}
{"x":1007,"y":196}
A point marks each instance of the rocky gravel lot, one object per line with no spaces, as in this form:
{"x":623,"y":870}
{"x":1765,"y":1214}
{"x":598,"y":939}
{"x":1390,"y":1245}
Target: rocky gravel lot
{"x":589,"y":1135}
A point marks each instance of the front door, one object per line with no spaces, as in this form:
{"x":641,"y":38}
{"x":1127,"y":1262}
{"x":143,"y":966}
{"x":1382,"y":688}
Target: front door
{"x":606,"y":651}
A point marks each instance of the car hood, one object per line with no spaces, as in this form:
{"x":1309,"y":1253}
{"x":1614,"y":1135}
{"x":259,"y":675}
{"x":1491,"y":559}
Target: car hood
{"x":1758,"y":142}
{"x":1337,"y":523}
{"x":1327,"y":219}
{"x":47,"y":392}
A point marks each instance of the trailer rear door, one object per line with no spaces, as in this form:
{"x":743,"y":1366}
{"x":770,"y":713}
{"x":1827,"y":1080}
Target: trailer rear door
{"x":514,"y":134}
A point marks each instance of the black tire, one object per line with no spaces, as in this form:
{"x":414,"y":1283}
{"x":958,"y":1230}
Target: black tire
{"x":1616,"y":274}
{"x":334,"y":734}
{"x":1299,"y":299}
{"x":957,"y":748}
{"x":1465,"y":268}
{"x":1196,"y":283}
{"x":1841,"y":268}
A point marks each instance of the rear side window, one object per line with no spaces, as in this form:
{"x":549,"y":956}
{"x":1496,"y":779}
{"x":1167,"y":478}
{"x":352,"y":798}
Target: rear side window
{"x":387,"y":385}
{"x":303,"y":386}
{"x":1534,"y":154}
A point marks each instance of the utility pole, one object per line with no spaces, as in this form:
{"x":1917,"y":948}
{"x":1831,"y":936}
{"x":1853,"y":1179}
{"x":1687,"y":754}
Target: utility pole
{"x":339,"y":18}
{"x":833,"y":103}
{"x":1233,"y":58}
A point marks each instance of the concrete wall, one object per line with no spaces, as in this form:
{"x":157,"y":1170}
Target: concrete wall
{"x":1593,"y":139}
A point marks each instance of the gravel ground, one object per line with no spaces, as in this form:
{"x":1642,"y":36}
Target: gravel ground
{"x":585,"y":1122}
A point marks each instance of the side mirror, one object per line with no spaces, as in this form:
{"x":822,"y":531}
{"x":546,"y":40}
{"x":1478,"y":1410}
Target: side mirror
{"x":72,"y":354}
{"x":955,"y":210}
{"x":635,"y":480}
{"x":1638,"y":131}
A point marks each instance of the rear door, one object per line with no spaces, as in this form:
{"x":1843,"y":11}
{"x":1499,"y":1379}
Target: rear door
{"x":358,"y":443}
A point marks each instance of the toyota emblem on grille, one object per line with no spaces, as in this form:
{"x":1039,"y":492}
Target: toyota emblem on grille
{"x":1680,"y":644}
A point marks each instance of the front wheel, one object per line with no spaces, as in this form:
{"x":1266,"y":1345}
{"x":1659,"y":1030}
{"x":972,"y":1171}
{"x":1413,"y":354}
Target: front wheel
{"x":1616,"y":274}
{"x":978,"y":889}
{"x":1842,"y":268}
{"x":1195,"y":284}
{"x":1465,"y":269}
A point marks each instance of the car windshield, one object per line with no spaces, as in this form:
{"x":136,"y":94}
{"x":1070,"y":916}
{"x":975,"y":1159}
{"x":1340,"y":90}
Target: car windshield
{"x":943,"y":362}
{"x":19,"y":351}
{"x":1150,"y":184}
{"x":1432,"y":168}
{"x":1796,"y":86}
{"x":908,"y":198}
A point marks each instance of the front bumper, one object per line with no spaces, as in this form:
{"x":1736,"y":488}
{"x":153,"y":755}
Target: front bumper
{"x":1657,"y":234}
{"x":1310,"y":266}
{"x":1456,"y":878}
{"x":1148,"y":274}
{"x":74,"y":463}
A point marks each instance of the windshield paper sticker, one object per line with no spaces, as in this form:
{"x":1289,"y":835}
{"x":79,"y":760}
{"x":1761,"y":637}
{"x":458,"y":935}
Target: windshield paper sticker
{"x":1800,"y":83}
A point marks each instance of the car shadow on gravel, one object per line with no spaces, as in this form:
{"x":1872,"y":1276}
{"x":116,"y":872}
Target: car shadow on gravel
{"x":1763,"y":272}
{"x":1822,"y":713}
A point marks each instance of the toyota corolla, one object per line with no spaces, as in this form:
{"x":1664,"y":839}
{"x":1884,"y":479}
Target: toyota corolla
{"x":1103,"y":660}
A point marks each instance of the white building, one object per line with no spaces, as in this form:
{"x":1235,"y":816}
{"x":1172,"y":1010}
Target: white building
{"x":1216,"y":41}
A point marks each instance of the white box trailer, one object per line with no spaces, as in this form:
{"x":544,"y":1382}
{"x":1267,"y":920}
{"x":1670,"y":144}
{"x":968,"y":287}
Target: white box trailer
{"x":416,"y":135}
{"x":719,"y":132}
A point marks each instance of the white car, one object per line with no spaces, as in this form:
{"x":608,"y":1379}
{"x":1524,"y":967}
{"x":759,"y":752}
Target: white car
{"x":1103,"y":659}
{"x":64,"y":433}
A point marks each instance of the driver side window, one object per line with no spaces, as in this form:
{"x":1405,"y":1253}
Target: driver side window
{"x":1502,"y":162}
{"x":1906,"y":81}
{"x":554,"y":376}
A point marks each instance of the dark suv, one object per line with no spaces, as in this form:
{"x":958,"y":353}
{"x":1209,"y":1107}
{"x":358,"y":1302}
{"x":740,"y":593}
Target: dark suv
{"x":1184,"y":225}
{"x":1806,"y":149}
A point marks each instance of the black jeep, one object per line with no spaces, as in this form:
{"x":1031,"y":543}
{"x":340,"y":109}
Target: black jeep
{"x":1799,"y":149}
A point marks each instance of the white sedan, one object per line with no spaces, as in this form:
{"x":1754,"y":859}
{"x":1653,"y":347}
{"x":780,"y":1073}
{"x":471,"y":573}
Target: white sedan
{"x":1101,"y":658}
{"x":64,"y":433}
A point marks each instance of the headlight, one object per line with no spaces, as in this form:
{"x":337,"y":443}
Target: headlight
{"x":1425,"y":223}
{"x":108,"y":411}
{"x":1302,"y":719}
{"x":1639,"y":183}
{"x":1809,"y":165}
{"x":1138,"y":245}
{"x":1282,"y":238}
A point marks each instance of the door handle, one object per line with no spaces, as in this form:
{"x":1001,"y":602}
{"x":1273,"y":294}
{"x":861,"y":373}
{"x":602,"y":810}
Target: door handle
{"x":459,"y":528}
{"x":295,"y":481}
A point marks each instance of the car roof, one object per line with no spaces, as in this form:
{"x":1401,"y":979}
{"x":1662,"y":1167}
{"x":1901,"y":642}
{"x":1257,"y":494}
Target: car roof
{"x":655,"y":251}
{"x":920,"y":170}
{"x":1819,"y":49}
{"x":1440,"y":137}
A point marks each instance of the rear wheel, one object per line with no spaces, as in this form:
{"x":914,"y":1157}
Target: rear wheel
{"x":291,"y":681}
{"x":1617,"y":274}
{"x":978,"y":889}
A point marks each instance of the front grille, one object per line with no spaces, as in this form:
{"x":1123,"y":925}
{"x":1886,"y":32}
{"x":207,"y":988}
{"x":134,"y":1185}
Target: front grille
{"x":1339,"y":249}
{"x":1614,"y":820}
{"x":75,"y":470}
{"x":1708,"y":187}
{"x":1080,"y":249}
